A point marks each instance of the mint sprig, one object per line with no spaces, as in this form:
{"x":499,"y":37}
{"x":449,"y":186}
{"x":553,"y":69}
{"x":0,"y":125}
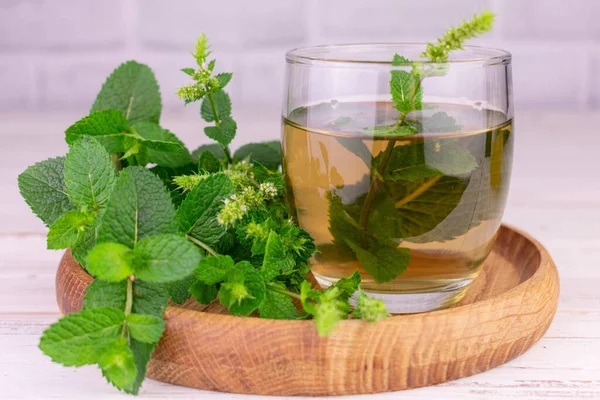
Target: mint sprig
{"x":216,"y":104}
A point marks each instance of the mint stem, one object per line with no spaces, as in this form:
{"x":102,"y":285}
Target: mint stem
{"x":116,"y":160}
{"x":218,"y":124}
{"x":418,"y":191}
{"x":274,"y":288}
{"x":375,"y":179}
{"x":206,"y":247}
{"x":128,"y":304}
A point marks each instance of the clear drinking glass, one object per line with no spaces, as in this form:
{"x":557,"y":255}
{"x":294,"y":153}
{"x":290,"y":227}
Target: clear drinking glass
{"x":413,"y":202}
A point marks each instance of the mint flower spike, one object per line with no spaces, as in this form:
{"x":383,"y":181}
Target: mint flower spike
{"x":191,"y":93}
{"x":238,"y":205}
{"x":202,"y":50}
{"x":454,"y":38}
{"x":187,"y":182}
{"x":268,"y":190}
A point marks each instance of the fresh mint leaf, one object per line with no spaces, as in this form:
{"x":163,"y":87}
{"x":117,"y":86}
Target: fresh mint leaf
{"x":142,"y":352}
{"x":399,"y":60}
{"x":165,"y":258}
{"x":131,"y":89}
{"x":294,"y":278}
{"x":162,"y":146}
{"x":383,"y":263}
{"x":275,"y":257}
{"x":203,"y":293}
{"x":369,"y":309}
{"x":222,"y":103}
{"x":138,"y":207}
{"x":197,"y":215}
{"x":68,"y":229}
{"x":89,"y":173}
{"x":207,"y":162}
{"x":223,"y":134}
{"x":309,"y":297}
{"x":348,"y":286}
{"x":297,"y":241}
{"x":107,"y":126}
{"x":82,"y":247}
{"x":118,"y":365}
{"x":149,"y":298}
{"x":188,"y":71}
{"x":215,"y":149}
{"x":105,"y":294}
{"x":406,"y":90}
{"x":112,"y":262}
{"x":42,"y":185}
{"x":224,"y":78}
{"x":81,"y":338}
{"x":154,"y":137}
{"x":167,"y":175}
{"x":243,"y":290}
{"x":277,"y":305}
{"x":266,"y":153}
{"x":145,"y":328}
{"x":179,"y":290}
{"x":213,"y":269}
{"x":259,"y":246}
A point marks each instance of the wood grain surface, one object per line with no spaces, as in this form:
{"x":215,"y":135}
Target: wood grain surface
{"x":508,"y":309}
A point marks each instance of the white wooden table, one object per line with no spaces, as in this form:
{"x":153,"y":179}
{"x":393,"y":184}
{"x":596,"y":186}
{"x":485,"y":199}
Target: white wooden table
{"x":555,"y":195}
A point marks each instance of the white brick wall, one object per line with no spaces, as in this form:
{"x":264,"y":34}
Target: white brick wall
{"x":60,"y":25}
{"x":392,"y":20}
{"x":54,"y":54}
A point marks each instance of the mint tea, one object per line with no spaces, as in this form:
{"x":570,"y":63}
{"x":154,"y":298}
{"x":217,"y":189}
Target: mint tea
{"x":416,"y":214}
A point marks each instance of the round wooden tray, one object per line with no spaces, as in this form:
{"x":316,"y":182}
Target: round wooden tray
{"x":507,"y":309}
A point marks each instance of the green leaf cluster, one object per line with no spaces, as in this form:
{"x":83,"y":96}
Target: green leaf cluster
{"x":137,"y":257}
{"x":119,"y":220}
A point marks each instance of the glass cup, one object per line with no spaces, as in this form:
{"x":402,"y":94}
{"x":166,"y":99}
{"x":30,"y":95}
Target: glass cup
{"x":407,"y":188}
